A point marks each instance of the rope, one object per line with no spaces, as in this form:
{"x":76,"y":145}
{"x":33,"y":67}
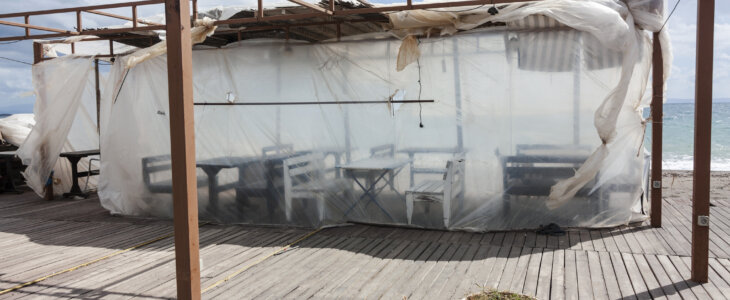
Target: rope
{"x":32,"y":282}
{"x":241,"y":270}
{"x":22,"y":285}
{"x":670,"y":15}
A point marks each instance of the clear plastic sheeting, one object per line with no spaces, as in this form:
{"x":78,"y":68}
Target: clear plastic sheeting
{"x":303,"y":134}
{"x":65,"y":120}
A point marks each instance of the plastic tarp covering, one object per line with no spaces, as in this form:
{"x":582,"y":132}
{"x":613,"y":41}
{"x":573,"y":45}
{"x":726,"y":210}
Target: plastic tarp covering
{"x":65,"y":114}
{"x":14,"y":129}
{"x":493,"y":143}
{"x":291,"y":133}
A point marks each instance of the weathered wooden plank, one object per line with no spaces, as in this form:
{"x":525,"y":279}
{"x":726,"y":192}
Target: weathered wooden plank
{"x":676,"y":278}
{"x":429,"y":278}
{"x":557,"y":289}
{"x":640,"y":288}
{"x":597,"y":239}
{"x":509,"y":269}
{"x":445,"y":286}
{"x":545,"y":274}
{"x":585,"y":290}
{"x":520,"y":273}
{"x":493,"y":278}
{"x":598,"y":282}
{"x":706,"y":291}
{"x":665,"y":283}
{"x":571,"y":276}
{"x":375,"y":248}
{"x":622,"y":276}
{"x":608,"y":275}
{"x":533,"y":273}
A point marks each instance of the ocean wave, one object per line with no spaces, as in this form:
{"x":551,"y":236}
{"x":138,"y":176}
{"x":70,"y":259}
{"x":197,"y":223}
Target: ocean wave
{"x":687,"y":163}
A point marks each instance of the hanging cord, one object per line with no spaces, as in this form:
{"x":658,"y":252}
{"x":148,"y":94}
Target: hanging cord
{"x":17,"y":61}
{"x":670,"y":15}
{"x":420,"y":88}
{"x":120,"y":86}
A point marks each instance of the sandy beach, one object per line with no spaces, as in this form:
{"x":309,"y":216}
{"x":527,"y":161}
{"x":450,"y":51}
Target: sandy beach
{"x":678,"y":186}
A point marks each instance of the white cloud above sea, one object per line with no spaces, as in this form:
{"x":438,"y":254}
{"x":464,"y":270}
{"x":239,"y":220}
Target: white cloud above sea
{"x":15,"y":78}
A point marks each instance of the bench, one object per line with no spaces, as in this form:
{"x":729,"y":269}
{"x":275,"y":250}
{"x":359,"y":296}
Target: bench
{"x":304,"y":178}
{"x":445,"y":191}
{"x":154,"y":167}
{"x":534,"y":170}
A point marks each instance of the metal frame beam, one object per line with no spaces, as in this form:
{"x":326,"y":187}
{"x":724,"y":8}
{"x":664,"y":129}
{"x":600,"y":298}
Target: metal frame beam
{"x":702,"y":142}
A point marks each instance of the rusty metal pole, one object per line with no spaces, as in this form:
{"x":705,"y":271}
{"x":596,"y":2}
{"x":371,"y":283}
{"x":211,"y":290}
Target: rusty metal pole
{"x":98,"y":97}
{"x":657,"y":114}
{"x":703,"y":125}
{"x":182,"y":143}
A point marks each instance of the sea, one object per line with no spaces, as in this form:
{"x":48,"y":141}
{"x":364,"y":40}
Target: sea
{"x":678,"y":137}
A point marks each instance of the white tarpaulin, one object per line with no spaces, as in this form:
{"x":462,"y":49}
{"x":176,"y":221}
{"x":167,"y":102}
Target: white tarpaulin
{"x":65,"y":114}
{"x":314,"y":134}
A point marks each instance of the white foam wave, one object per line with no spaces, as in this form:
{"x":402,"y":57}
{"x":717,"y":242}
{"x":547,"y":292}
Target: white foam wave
{"x":687,"y":163}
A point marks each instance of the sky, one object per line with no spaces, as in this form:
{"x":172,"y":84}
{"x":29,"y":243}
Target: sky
{"x":16,"y":79}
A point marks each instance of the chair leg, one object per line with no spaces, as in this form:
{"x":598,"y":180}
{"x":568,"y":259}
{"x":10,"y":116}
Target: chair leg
{"x":447,"y":212}
{"x":409,"y":207}
{"x":320,"y":207}
{"x":287,"y":207}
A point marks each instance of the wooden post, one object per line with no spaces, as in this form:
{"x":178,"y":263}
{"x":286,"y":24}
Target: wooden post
{"x":182,"y":142}
{"x":657,"y":105}
{"x":703,"y":125}
{"x":78,"y":21}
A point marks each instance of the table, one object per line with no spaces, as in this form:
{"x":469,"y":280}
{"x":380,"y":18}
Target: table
{"x":213,"y":166}
{"x":373,"y":170}
{"x":74,"y":157}
{"x":8,"y":157}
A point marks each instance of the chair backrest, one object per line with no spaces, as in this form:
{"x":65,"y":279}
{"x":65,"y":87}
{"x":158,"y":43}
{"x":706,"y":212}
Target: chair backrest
{"x":553,"y":150}
{"x":152,"y":165}
{"x":303,"y":169}
{"x":277,"y":149}
{"x":454,"y":176}
{"x":387,"y":150}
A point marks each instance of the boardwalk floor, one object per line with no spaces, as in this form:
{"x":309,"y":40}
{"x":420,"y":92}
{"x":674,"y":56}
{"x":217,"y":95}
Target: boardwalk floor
{"x":39,"y":238}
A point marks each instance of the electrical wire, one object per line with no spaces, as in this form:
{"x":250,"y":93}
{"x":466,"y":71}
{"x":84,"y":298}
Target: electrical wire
{"x":670,"y":15}
{"x":8,"y":43}
{"x":15,"y":60}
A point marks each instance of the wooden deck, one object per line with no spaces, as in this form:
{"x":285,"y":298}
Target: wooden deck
{"x":39,"y":238}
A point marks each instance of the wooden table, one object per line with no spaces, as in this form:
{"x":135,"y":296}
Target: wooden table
{"x":213,"y":166}
{"x":8,"y":157}
{"x":74,"y":158}
{"x":372,"y":171}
